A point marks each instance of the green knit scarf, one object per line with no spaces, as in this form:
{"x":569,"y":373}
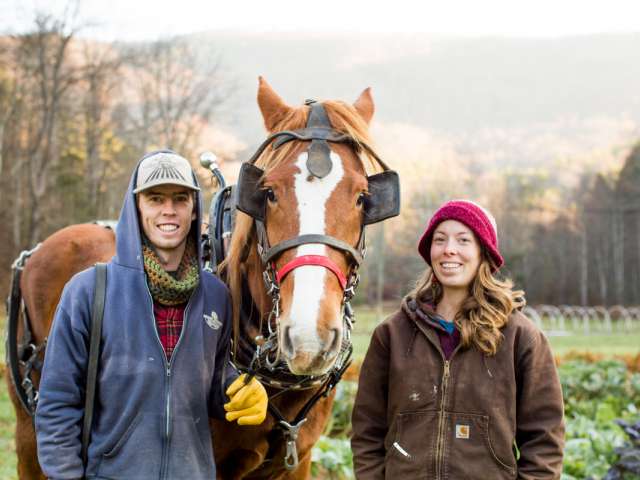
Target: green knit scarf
{"x":164,"y":287}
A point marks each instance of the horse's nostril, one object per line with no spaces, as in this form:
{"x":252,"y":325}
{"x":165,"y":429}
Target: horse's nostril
{"x":334,"y":339}
{"x":287,"y":344}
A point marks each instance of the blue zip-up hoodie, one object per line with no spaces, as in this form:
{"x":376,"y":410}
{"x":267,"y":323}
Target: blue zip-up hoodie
{"x":151,"y":417}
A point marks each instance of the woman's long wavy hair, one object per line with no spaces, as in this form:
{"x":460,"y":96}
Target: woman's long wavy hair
{"x":485,"y":311}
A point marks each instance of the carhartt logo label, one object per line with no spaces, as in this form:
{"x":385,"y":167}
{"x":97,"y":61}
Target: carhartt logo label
{"x":164,"y":170}
{"x":462,"y":431}
{"x":212,"y":320}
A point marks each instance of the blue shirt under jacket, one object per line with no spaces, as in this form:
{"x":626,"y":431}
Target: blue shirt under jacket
{"x":151,"y":416}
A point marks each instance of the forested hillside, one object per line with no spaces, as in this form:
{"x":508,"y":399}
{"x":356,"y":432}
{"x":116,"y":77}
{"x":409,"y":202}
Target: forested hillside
{"x":541,"y":131}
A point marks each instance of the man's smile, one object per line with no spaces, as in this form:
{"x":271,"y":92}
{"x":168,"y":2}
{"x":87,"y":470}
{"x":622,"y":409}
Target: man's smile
{"x":168,"y":227}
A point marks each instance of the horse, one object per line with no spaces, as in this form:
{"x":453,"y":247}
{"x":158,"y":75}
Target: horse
{"x":302,"y":203}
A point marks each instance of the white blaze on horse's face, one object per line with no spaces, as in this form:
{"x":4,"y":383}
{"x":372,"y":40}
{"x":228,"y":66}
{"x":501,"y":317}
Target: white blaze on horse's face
{"x":312,"y":328}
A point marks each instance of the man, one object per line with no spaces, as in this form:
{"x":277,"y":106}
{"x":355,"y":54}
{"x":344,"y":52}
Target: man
{"x":163,"y":366}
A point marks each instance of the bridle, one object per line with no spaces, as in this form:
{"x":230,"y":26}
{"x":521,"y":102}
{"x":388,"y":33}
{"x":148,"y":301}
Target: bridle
{"x":382,"y":202}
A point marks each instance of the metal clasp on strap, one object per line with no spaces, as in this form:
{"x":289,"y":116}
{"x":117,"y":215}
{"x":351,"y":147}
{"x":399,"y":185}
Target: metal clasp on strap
{"x":19,"y":262}
{"x":291,"y":435}
{"x":30,"y":364}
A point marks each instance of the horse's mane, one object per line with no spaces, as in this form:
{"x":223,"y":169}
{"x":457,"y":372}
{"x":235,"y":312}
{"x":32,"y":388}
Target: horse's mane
{"x":344,"y":118}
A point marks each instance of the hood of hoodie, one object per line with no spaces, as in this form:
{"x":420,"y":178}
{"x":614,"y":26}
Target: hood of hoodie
{"x":128,"y":233}
{"x":422,"y":312}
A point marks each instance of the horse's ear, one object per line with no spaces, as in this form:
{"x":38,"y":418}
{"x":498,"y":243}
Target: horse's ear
{"x":364,"y":105}
{"x":271,"y":105}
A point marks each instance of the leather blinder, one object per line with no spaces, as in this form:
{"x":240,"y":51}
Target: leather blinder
{"x":252,"y":200}
{"x":383,"y":200}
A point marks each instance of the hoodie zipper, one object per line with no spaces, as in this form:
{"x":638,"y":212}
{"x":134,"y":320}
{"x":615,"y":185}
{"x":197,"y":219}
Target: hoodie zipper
{"x":167,"y":365}
{"x":175,"y":349}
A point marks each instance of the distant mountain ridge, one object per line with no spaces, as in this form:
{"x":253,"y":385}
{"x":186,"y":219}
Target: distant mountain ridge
{"x":449,"y":84}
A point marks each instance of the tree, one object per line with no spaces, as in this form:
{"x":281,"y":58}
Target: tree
{"x":627,"y":194}
{"x":45,"y":76}
{"x":100,"y":79}
{"x":175,"y":97}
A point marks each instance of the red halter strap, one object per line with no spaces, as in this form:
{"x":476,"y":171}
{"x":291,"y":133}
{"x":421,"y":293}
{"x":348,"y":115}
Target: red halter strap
{"x":319,"y":260}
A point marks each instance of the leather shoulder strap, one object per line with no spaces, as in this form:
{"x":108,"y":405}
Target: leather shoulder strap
{"x":97,"y":312}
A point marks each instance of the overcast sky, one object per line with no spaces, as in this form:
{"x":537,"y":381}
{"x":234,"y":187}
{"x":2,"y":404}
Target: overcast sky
{"x":150,"y":19}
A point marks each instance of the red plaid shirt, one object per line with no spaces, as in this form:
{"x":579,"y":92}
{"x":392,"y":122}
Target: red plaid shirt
{"x":169,"y":324}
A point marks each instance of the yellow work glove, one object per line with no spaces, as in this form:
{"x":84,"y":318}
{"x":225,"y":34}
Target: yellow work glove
{"x":248,"y":402}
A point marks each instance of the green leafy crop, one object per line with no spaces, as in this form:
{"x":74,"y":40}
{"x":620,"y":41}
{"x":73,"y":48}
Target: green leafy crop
{"x":602,"y":402}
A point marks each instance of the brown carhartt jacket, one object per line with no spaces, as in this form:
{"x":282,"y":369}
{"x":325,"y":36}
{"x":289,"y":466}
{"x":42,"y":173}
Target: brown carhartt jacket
{"x":417,"y":416}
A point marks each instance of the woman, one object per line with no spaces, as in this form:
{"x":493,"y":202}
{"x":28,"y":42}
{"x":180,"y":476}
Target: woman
{"x":459,"y":384}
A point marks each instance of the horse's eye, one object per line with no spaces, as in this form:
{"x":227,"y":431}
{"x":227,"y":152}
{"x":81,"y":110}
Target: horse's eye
{"x":360,"y":199}
{"x":271,"y":196}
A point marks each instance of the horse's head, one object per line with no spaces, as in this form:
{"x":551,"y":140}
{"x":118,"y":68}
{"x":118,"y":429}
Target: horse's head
{"x":309,"y":196}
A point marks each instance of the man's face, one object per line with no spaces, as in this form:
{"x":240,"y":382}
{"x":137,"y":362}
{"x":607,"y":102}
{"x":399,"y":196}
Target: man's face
{"x":166,"y":213}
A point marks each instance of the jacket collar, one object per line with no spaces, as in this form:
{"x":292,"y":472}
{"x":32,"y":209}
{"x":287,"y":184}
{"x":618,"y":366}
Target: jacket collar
{"x":424,"y":319}
{"x":422,"y":313}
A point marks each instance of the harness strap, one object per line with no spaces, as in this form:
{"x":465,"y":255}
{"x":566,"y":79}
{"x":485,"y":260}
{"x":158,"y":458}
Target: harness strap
{"x":97,"y":313}
{"x":25,"y":354}
{"x":220,"y":226}
{"x":319,"y":260}
{"x":13,"y":357}
{"x":312,"y":133}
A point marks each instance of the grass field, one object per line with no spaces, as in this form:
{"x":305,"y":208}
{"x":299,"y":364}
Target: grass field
{"x":366,"y":320}
{"x":7,"y":446}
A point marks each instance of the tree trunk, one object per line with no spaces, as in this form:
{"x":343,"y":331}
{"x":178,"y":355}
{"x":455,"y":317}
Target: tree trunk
{"x":584,"y":267}
{"x":602,"y":274}
{"x":618,"y":258}
{"x":18,"y":202}
{"x":636,"y":289}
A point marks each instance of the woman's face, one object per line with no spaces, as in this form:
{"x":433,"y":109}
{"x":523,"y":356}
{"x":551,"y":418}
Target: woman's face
{"x":455,"y":254}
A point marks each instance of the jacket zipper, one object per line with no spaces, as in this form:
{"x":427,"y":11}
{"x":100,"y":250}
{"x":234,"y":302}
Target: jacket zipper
{"x":167,"y":366}
{"x":441,"y":426}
